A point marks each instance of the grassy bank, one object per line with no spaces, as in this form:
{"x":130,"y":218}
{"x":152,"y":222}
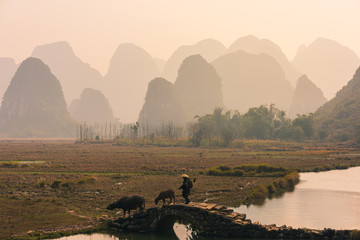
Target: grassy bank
{"x":63,"y":186}
{"x":285,"y":179}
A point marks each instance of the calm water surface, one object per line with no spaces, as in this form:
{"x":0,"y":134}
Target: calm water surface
{"x":321,"y":200}
{"x":180,"y":232}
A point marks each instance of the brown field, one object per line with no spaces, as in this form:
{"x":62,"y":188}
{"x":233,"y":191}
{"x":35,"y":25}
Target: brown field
{"x":60,"y":185}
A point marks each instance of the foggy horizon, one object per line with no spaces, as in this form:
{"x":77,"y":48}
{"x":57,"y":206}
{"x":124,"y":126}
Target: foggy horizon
{"x":95,"y":30}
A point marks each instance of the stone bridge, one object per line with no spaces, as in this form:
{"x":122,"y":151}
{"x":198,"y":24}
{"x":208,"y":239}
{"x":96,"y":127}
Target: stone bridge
{"x":217,"y":220}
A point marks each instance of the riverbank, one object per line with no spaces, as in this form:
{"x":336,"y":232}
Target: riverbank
{"x":47,"y":185}
{"x":218,"y":221}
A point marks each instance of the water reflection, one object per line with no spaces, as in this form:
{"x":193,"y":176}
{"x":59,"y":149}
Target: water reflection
{"x":180,"y":231}
{"x":321,"y":200}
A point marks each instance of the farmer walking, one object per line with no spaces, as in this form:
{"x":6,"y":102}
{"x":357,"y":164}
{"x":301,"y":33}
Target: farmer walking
{"x":186,"y":186}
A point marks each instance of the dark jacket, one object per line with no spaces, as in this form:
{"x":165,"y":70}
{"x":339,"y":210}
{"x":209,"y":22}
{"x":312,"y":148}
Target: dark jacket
{"x":186,"y":186}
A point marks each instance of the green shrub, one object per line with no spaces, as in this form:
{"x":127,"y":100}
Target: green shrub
{"x":271,"y":188}
{"x":223,"y":170}
{"x":66,"y":185}
{"x":248,"y":170}
{"x":86,"y":180}
{"x":260,"y":168}
{"x":56,"y":184}
{"x":9,"y":165}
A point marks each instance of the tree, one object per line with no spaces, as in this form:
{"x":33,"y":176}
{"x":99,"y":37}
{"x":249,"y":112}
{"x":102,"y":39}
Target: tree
{"x":257,"y":122}
{"x":135,"y":130}
{"x":306,"y":123}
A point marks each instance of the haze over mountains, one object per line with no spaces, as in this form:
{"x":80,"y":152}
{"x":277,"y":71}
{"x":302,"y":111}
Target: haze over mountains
{"x":73,"y":74}
{"x":252,"y":44}
{"x":209,"y":49}
{"x":201,"y":77}
{"x":7,"y":70}
{"x":307,"y":98}
{"x":328,"y":64}
{"x":131,"y":68}
{"x":198,"y":86}
{"x":250,"y":80}
{"x":92,"y":107}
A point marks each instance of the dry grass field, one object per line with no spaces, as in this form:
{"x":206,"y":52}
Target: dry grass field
{"x":59,"y":185}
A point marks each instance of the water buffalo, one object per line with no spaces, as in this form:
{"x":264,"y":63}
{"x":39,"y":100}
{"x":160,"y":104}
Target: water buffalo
{"x":165,"y":194}
{"x":128,"y":203}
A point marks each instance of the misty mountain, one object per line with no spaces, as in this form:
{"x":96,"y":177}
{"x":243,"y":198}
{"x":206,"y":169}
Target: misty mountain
{"x":307,"y":98}
{"x":92,"y":107}
{"x":250,"y":80}
{"x":209,"y":49}
{"x":7,"y":70}
{"x":160,"y":63}
{"x":327,"y":63}
{"x":131,"y":68}
{"x":254,"y":45}
{"x":73,"y":74}
{"x":198,"y":86}
{"x":340,"y":117}
{"x":34,"y":104}
{"x":161,"y":105}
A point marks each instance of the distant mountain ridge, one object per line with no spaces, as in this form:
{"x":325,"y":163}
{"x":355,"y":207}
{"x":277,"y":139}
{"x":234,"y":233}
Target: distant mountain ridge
{"x":250,"y":80}
{"x":73,"y":74}
{"x":254,"y":45}
{"x":328,"y":64}
{"x":209,"y":49}
{"x":131,"y":69}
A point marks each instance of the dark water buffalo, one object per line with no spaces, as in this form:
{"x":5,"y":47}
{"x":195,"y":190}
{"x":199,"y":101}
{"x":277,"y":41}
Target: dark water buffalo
{"x":164,"y":195}
{"x":128,"y":203}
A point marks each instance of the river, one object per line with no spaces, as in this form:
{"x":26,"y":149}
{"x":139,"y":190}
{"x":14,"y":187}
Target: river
{"x":321,"y":200}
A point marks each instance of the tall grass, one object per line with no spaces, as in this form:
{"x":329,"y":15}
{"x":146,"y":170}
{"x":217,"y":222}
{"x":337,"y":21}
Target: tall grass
{"x":247,"y":170}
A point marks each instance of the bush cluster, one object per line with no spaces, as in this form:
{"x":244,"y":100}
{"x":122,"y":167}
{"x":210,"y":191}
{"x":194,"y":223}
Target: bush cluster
{"x":247,"y":170}
{"x":280,"y":185}
{"x":262,"y":122}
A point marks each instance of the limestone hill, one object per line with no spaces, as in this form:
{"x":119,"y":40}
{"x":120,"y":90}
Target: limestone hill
{"x":209,"y":49}
{"x":339,"y":118}
{"x":34,"y":104}
{"x":307,"y":98}
{"x":92,"y":107}
{"x":198,"y":86}
{"x":161,"y":105}
{"x":131,"y":68}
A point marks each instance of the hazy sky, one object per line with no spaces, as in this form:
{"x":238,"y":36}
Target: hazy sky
{"x":95,"y":28}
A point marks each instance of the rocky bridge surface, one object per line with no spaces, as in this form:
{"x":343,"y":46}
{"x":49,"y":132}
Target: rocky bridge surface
{"x":217,"y":220}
